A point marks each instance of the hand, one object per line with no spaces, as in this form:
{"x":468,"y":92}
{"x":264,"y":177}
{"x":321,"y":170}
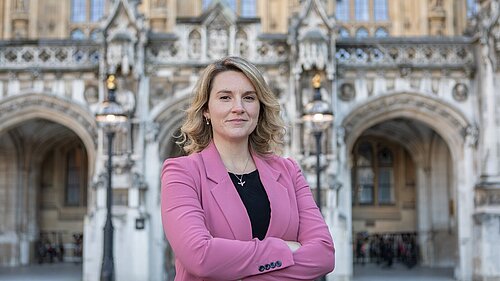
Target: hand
{"x":293,"y":245}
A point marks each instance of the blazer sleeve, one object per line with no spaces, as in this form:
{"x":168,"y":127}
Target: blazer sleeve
{"x":316,"y":256}
{"x":201,"y":254}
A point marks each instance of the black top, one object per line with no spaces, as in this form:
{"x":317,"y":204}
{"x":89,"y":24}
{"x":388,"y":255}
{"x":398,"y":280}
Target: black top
{"x":255,"y":199}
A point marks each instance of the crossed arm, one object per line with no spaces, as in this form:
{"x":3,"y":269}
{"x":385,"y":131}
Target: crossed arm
{"x":217,"y":258}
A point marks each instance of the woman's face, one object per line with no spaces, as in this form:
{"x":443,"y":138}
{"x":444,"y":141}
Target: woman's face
{"x":233,"y":107}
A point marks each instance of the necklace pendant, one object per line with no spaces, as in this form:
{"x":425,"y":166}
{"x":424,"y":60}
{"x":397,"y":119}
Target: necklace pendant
{"x":241,"y":182}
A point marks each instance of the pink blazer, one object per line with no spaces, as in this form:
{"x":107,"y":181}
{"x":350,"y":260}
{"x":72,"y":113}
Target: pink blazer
{"x":210,"y":233}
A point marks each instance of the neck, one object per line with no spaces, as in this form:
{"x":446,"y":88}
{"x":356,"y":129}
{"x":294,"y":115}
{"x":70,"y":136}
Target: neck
{"x":234,"y":155}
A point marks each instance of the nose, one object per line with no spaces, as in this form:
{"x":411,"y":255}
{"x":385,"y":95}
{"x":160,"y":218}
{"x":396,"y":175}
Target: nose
{"x":238,"y":106}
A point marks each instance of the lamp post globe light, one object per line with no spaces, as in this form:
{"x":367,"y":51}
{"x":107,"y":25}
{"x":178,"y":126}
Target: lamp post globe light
{"x":111,"y":117}
{"x":320,"y":115}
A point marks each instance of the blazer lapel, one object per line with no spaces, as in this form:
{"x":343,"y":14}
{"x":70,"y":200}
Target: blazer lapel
{"x":278,"y":197}
{"x":225,"y":194}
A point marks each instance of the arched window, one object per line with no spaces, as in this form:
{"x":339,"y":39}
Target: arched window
{"x":373,"y":174}
{"x":380,"y":12}
{"x":95,"y":34}
{"x":362,"y":33}
{"x":344,"y":33}
{"x":96,"y":10}
{"x":75,"y":183}
{"x":78,"y":10}
{"x":77,"y":34}
{"x":342,"y":10}
{"x":361,"y":11}
{"x":381,"y":32}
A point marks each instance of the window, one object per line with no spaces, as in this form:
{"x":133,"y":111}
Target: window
{"x":361,"y":11}
{"x":373,"y":174}
{"x":342,"y":10}
{"x":78,"y":10}
{"x":364,"y":10}
{"x":96,"y":34}
{"x":472,"y":8}
{"x":85,"y":16}
{"x":244,"y":8}
{"x":380,"y":12}
{"x":362,"y":33}
{"x":385,"y":176}
{"x":365,"y":174}
{"x":248,"y":8}
{"x":344,"y":33}
{"x":96,"y":10}
{"x":75,"y":187}
{"x":381,"y":32}
{"x":77,"y":34}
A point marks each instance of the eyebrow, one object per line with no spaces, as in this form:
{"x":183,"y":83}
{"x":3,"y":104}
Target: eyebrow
{"x":224,"y":91}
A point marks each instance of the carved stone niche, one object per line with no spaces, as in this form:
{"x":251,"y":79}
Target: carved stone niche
{"x":347,"y":92}
{"x":487,"y":197}
{"x":460,"y":92}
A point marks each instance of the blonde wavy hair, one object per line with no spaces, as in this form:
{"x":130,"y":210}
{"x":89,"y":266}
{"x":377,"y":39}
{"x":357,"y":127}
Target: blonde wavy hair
{"x":267,"y":137}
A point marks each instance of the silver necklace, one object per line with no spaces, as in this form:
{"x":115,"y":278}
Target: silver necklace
{"x":240,"y":179}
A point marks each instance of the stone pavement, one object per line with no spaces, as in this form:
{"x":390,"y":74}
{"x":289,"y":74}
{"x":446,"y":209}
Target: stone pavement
{"x":45,"y":272}
{"x":369,"y":272}
{"x":398,"y":272}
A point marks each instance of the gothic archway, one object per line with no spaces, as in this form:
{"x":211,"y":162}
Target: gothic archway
{"x":442,"y":121}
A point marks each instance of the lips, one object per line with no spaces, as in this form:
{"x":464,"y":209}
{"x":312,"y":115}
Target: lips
{"x":236,"y":120}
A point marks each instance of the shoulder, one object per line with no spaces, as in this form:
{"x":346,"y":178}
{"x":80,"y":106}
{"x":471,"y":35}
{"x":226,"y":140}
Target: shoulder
{"x":281,"y":163}
{"x":185,"y":164}
{"x":184,"y":168}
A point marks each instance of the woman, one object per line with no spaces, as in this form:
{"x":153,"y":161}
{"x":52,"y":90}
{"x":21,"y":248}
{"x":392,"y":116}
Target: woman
{"x":232,"y":209}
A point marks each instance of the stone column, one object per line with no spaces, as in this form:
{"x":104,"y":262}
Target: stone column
{"x":489,"y":29}
{"x":465,"y":207}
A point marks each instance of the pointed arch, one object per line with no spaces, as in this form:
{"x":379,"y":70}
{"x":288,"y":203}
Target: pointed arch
{"x":18,"y":109}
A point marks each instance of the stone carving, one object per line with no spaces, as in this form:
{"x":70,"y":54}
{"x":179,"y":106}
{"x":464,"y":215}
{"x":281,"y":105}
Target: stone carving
{"x":12,"y":107}
{"x":125,"y":36}
{"x":152,"y":130}
{"x":194,"y":48}
{"x":100,"y":181}
{"x":124,"y":96}
{"x":219,"y":42}
{"x":471,"y":135}
{"x":488,"y":27}
{"x":312,"y":37}
{"x":138,"y":181}
{"x":406,"y":102}
{"x":460,"y":92}
{"x":241,"y":46}
{"x":51,"y":55}
{"x":487,"y":197}
{"x":422,"y":55}
{"x":91,"y":94}
{"x":347,"y":92}
{"x":218,"y":36}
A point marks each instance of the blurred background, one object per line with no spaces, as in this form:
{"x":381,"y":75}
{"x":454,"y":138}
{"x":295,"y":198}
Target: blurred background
{"x":392,"y":109}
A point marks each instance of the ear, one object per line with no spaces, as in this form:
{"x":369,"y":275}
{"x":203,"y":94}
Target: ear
{"x":206,"y":114}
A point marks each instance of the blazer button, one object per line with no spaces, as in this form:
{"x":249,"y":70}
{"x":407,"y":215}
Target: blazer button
{"x":262,"y":268}
{"x":278,"y":263}
{"x":272,"y":264}
{"x":268,"y":266}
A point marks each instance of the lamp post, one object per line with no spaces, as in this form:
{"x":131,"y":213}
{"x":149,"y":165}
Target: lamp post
{"x":319,"y":113}
{"x":110,"y":116}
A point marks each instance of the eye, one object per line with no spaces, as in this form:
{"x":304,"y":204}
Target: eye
{"x":250,"y":97}
{"x":225,"y":97}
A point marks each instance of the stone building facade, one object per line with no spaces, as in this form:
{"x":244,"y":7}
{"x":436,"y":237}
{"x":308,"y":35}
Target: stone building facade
{"x":414,"y":148}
